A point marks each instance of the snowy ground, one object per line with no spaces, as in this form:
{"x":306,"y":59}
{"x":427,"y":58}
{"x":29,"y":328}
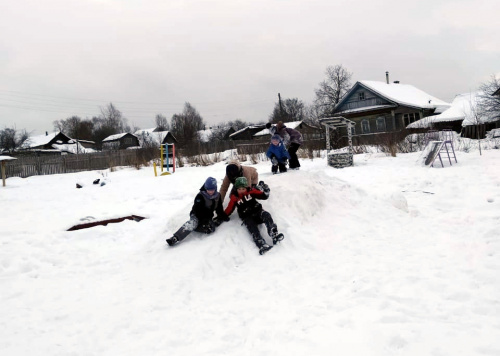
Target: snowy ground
{"x":384,"y":258}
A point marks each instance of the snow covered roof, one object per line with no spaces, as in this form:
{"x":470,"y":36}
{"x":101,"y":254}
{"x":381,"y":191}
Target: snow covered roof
{"x":72,"y":148}
{"x":245,"y":129}
{"x":291,"y":125}
{"x":39,"y":140}
{"x":366,"y":108}
{"x":405,"y":94}
{"x":115,"y":137}
{"x":155,"y":137}
{"x":6,"y":158}
{"x":204,"y":135}
{"x":463,"y":108}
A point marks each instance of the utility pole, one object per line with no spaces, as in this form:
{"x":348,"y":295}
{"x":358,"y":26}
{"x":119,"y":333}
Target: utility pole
{"x":281,"y":107}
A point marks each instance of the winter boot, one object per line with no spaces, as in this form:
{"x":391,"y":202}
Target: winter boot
{"x":264,"y":248}
{"x":278,"y":238}
{"x":275,"y":235}
{"x":172,"y":241}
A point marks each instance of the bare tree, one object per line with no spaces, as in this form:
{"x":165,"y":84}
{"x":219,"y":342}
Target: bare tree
{"x":110,"y":122}
{"x":313,"y":114}
{"x":75,"y":127}
{"x":332,"y":89}
{"x":113,"y":118}
{"x":161,"y":123}
{"x":290,"y":110}
{"x":185,"y":126}
{"x":489,"y":104}
{"x":237,"y":124}
{"x":11,"y":140}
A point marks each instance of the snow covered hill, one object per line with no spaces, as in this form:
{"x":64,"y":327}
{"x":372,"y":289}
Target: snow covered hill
{"x":384,"y":258}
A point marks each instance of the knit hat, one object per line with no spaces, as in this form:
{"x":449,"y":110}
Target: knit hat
{"x":268,"y":125}
{"x":279,"y":125}
{"x":276,"y":138}
{"x":211,"y":184}
{"x":232,"y":171}
{"x":241,"y":182}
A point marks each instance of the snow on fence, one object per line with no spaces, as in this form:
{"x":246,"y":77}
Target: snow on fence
{"x":26,"y":166}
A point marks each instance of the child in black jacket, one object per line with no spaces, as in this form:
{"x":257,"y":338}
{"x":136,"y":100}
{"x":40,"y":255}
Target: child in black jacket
{"x":201,"y":216}
{"x":250,"y":211}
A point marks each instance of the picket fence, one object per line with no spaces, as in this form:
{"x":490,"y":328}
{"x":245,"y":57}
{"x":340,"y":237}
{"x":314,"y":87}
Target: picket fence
{"x":31,"y":165}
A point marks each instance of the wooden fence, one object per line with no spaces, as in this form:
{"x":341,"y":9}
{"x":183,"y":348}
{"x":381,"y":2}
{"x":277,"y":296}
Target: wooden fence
{"x":30,"y":165}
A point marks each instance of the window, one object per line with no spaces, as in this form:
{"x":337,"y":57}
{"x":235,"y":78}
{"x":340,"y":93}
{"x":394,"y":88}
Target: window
{"x":365,"y":126}
{"x":380,"y":123}
{"x":411,"y":117}
{"x":361,"y":95}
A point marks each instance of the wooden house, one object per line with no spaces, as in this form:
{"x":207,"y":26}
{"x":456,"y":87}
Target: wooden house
{"x":381,"y":107}
{"x":153,"y":137}
{"x":221,"y":133}
{"x":52,"y":143}
{"x":87,"y":144}
{"x":464,"y":117}
{"x":47,"y":141}
{"x":120,"y":141}
{"x":247,"y":133}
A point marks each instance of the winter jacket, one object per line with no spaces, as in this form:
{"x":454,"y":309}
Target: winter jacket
{"x":205,"y":205}
{"x":279,"y":151}
{"x":246,"y":205}
{"x":249,"y":173}
{"x":288,"y":135}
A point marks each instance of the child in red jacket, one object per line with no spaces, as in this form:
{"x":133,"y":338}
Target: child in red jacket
{"x":244,"y":199}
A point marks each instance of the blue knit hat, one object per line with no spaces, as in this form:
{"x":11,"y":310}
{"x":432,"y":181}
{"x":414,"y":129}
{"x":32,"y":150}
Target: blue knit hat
{"x":211,"y":184}
{"x":276,"y":137}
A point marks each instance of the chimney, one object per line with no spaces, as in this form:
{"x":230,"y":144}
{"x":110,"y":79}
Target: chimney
{"x":387,"y":77}
{"x":46,"y":133}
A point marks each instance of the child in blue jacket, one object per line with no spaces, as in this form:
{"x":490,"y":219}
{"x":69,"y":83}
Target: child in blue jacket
{"x":278,"y":154}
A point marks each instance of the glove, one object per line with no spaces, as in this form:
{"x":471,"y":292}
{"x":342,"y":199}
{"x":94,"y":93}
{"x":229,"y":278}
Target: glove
{"x":220,"y":219}
{"x":209,"y":227}
{"x":217,"y":222}
{"x":274,"y":161}
{"x":263,"y":187}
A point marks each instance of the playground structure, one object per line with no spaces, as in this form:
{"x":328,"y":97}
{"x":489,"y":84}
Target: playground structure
{"x":167,"y":158}
{"x":338,"y":159}
{"x":437,"y":143}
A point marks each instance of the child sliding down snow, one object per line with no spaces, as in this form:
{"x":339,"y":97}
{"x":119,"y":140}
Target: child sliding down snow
{"x":250,"y":211}
{"x":201,"y":216}
{"x":278,"y":154}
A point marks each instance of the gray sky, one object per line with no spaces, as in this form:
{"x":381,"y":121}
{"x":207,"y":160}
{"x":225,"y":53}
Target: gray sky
{"x":228,"y":58}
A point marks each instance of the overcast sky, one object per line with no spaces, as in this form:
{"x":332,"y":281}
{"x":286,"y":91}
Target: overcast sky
{"x":228,"y":58}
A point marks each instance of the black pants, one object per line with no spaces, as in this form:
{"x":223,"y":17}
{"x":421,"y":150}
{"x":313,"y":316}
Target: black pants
{"x":193,"y":224}
{"x":281,"y":166}
{"x":252,"y":224}
{"x":292,"y":151}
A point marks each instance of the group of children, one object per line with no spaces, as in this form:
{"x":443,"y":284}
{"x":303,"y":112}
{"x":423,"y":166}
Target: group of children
{"x":243,"y":198}
{"x":284,"y":145}
{"x":244,"y":194}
